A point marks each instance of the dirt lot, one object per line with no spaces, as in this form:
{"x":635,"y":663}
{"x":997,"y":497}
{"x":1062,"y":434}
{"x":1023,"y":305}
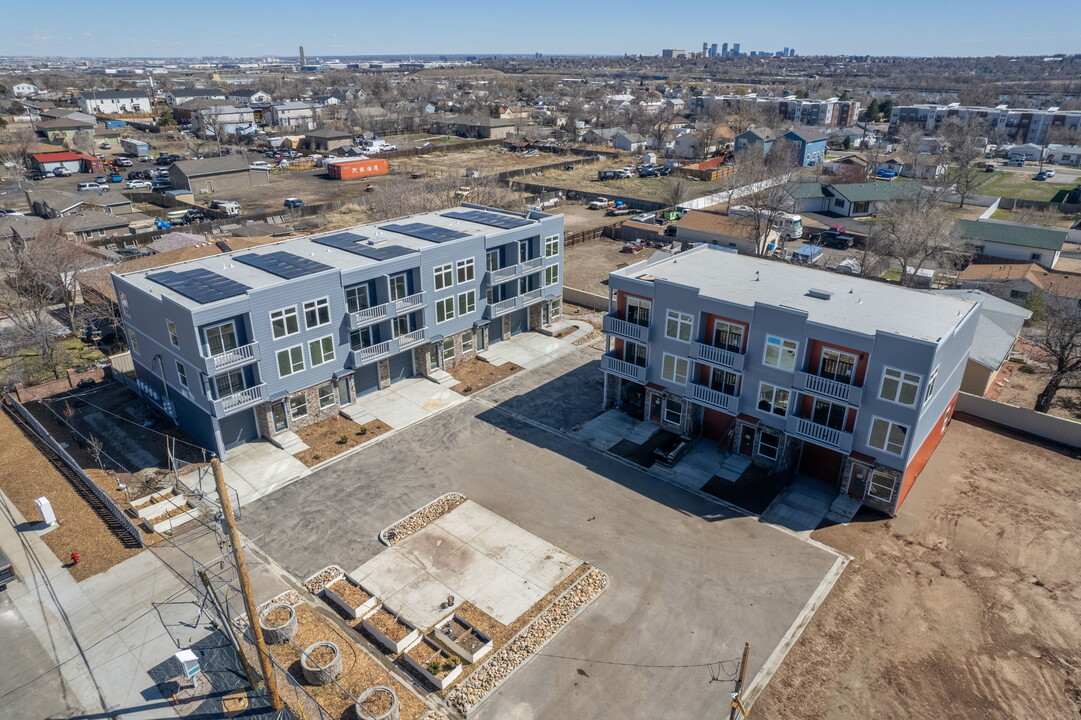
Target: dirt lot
{"x":966,"y":605}
{"x":577,"y":217}
{"x":586,"y":265}
{"x":1017,"y":386}
{"x":487,"y":160}
{"x":584,"y":177}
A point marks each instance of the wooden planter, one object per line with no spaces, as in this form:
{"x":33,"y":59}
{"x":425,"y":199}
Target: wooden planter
{"x":341,"y":599}
{"x":160,"y":508}
{"x":277,"y":634}
{"x":459,"y":636}
{"x":373,"y":692}
{"x":173,"y":522}
{"x":429,"y":652}
{"x":409,"y":631}
{"x":321,"y":674}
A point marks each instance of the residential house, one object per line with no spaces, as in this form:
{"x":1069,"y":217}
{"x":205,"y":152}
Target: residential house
{"x":328,"y":138}
{"x":185,"y":112}
{"x":24,"y":89}
{"x":715,"y":228}
{"x":1064,"y":154}
{"x":1012,"y":241}
{"x":996,"y":334}
{"x":87,"y":225}
{"x":216,"y":174}
{"x":281,"y":336}
{"x":630,"y":142}
{"x":849,"y":165}
{"x":475,"y":126}
{"x":62,"y":131}
{"x":179,"y":96}
{"x":226,"y":119}
{"x":114,"y":102}
{"x":58,"y":203}
{"x":301,"y":115}
{"x":248,"y":96}
{"x":1015,"y":281}
{"x":795,"y":369}
{"x":1030,"y":152}
{"x":926,"y":167}
{"x":757,"y":140}
{"x":862,"y":199}
{"x":810,"y":145}
{"x":602,"y":136}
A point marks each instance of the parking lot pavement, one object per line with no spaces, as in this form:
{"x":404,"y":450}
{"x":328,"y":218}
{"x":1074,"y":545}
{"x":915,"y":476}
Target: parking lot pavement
{"x":690,"y":580}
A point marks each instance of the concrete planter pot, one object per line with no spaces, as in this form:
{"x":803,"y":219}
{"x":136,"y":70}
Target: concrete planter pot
{"x":459,"y":636}
{"x":172,"y":523}
{"x":374,"y":693}
{"x":277,"y":634}
{"x":345,"y":604}
{"x":323,"y":674}
{"x":433,"y":653}
{"x":410,"y":633}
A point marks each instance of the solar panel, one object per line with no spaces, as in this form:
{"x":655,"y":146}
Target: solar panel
{"x":432,"y":233}
{"x":352,"y":243}
{"x":506,"y":222}
{"x":283,"y":264}
{"x":202,"y":286}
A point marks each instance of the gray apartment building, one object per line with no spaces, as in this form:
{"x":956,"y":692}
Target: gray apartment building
{"x":1017,"y":125}
{"x":251,"y":343}
{"x":848,"y":380}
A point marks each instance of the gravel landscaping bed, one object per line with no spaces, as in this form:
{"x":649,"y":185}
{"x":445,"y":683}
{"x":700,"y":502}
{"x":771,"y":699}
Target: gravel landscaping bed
{"x":289,"y":597}
{"x":324,"y":577}
{"x":477,"y":374}
{"x":505,"y":661}
{"x":335,"y":435}
{"x":419,"y":519}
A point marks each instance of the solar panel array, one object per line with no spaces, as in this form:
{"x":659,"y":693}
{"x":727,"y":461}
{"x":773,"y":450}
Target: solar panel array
{"x":506,"y":222}
{"x":202,"y":286}
{"x":424,"y":231}
{"x":351,"y":242}
{"x":283,"y":264}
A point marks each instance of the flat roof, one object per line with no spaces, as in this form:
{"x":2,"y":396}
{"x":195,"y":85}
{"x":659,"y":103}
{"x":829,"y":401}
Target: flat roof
{"x":856,"y":304}
{"x":307,"y":246}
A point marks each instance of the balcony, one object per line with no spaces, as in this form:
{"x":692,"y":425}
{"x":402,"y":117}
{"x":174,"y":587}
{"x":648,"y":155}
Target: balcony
{"x":501,"y":308}
{"x":820,"y":434}
{"x":818,"y":385}
{"x":512,"y":271}
{"x":623,"y":328}
{"x":705,"y":395}
{"x":374,"y":352}
{"x":376,"y":313}
{"x":717,"y":356}
{"x":239,"y":400}
{"x":232,"y":358}
{"x":528,"y":266}
{"x":407,"y":304}
{"x":622,"y":368}
{"x":410,"y":339}
{"x":528,"y":298}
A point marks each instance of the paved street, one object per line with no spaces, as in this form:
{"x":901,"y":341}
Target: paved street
{"x":690,"y":580}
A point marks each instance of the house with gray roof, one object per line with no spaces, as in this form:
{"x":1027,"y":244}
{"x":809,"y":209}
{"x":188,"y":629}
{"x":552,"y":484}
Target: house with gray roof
{"x":215,"y":175}
{"x":996,"y":334}
{"x":179,"y":96}
{"x":1013,"y":241}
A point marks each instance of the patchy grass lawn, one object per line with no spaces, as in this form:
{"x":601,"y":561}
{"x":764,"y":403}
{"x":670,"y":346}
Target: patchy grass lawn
{"x":476,"y":374}
{"x":335,"y":435}
{"x":1020,"y":185}
{"x":29,"y":368}
{"x":1051,"y":219}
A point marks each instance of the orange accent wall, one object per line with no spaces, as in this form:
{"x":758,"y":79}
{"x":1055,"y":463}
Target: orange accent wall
{"x":814,"y":358}
{"x":621,"y":302}
{"x":711,"y":319}
{"x":715,"y":424}
{"x":924,"y":454}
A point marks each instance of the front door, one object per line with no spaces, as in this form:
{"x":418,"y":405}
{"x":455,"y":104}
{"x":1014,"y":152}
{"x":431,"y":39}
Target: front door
{"x":858,"y":487}
{"x":546,"y":314}
{"x":277,"y":411}
{"x":344,"y":398}
{"x":656,"y":405}
{"x":746,"y":441}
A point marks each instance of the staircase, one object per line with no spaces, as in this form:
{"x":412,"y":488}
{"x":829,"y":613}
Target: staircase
{"x":843,"y":509}
{"x":443,"y":377}
{"x":733,"y":467}
{"x":288,"y":441}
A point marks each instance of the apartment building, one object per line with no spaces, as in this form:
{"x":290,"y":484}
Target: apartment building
{"x":251,"y":343}
{"x":847,"y":380}
{"x":1003,"y":123}
{"x":831,"y":112}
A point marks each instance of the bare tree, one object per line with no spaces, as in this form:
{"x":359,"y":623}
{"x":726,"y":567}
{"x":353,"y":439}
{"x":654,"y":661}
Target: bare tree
{"x":965,"y":145}
{"x":919,"y":233}
{"x":676,"y":192}
{"x":1059,"y":336}
{"x":758,"y":183}
{"x":82,"y":141}
{"x":15,"y":145}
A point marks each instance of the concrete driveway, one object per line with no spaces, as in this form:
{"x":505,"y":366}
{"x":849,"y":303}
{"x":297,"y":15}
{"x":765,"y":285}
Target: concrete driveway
{"x":691,"y":581}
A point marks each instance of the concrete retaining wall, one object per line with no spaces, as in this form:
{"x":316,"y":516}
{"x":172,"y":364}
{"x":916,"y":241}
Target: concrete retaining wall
{"x":1049,"y":427}
{"x":585,"y":299}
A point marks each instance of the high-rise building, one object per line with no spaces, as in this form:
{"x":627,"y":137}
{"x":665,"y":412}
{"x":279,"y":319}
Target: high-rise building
{"x":724,"y":50}
{"x":705,"y":49}
{"x":303,"y":59}
{"x":791,"y":52}
{"x":735,"y":49}
{"x":713,"y":50}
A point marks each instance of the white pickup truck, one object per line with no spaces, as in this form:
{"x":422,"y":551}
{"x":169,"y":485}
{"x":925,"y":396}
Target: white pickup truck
{"x":599,"y":204}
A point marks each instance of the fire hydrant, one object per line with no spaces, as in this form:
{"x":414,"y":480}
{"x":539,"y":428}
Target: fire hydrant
{"x":75,"y":558}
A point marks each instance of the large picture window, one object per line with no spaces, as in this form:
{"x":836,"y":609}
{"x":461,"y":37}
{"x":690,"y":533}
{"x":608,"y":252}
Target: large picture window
{"x":638,"y":311}
{"x":444,"y":276}
{"x":899,"y":386}
{"x":283,"y":322}
{"x":551,"y":246}
{"x":321,"y":350}
{"x":466,"y":270}
{"x":290,"y":360}
{"x":780,"y":353}
{"x":316,"y":313}
{"x":888,"y":435}
{"x":728,"y":336}
{"x":678,"y":326}
{"x":444,"y":309}
{"x":882,"y":486}
{"x":674,"y":369}
{"x":773,"y":399}
{"x":837,"y":365}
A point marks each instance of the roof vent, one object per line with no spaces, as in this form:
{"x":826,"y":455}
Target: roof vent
{"x":375,"y":240}
{"x":820,"y":294}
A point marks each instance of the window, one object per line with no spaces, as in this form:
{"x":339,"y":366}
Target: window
{"x":674,"y":369}
{"x":1035,"y":257}
{"x":882,"y":486}
{"x":284,"y":322}
{"x":931,"y":385}
{"x":728,"y":336}
{"x":321,"y":350}
{"x":466,"y":270}
{"x":837,"y":365}
{"x":524,"y":250}
{"x":1018,"y":294}
{"x":316,"y":313}
{"x":491,"y":260}
{"x":133,"y":340}
{"x":399,"y":286}
{"x":182,"y":374}
{"x":772,"y":399}
{"x":551,"y":275}
{"x":356,"y":298}
{"x":638,"y":311}
{"x":444,"y":276}
{"x":360,"y":338}
{"x":326,"y":396}
{"x":229,"y":384}
{"x":467,"y":302}
{"x":467,"y":341}
{"x":444,"y":309}
{"x":780,"y":353}
{"x":551,"y":246}
{"x":724,"y":381}
{"x":899,"y":386}
{"x":290,"y":361}
{"x":402,"y":325}
{"x":888,"y":436}
{"x":832,"y":415}
{"x":298,"y":407}
{"x":673,"y":411}
{"x":769,"y":446}
{"x":678,"y":326}
{"x":448,"y":349}
{"x":635,"y":353}
{"x":170,"y":326}
{"x":124,"y":303}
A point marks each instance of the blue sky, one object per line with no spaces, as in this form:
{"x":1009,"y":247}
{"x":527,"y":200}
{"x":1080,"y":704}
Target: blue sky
{"x":327,"y":29}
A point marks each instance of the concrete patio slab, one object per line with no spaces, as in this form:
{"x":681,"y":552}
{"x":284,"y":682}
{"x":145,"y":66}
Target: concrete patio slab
{"x":422,"y":601}
{"x":529,"y":350}
{"x":467,"y":521}
{"x":607,"y":429}
{"x":643,"y":431}
{"x":430,"y":546}
{"x":256,"y":469}
{"x":386,"y":573}
{"x":801,"y":506}
{"x":403,"y":403}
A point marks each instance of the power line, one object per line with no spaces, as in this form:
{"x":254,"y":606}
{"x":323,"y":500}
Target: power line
{"x":48,"y":401}
{"x":638,"y":665}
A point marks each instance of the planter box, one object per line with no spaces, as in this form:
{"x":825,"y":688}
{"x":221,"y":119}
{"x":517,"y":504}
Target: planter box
{"x":134,"y":504}
{"x":440,"y":682}
{"x":354,"y":612}
{"x":394,"y":646}
{"x":173,"y":522}
{"x":160,"y":508}
{"x":459,"y":636}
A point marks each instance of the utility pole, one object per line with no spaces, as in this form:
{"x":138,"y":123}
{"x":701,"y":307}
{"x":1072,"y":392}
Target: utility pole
{"x":212,"y":595}
{"x":245,"y":585}
{"x":737,"y":696}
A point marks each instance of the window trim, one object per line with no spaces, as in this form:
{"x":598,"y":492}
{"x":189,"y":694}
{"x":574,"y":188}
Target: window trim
{"x":551,"y":275}
{"x":682,"y":410}
{"x":822,"y":362}
{"x":447,"y":271}
{"x":900,"y":382}
{"x":890,"y":424}
{"x":783,"y":340}
{"x":471,"y":336}
{"x":473,"y":305}
{"x":627,"y":344}
{"x":773,"y":399}
{"x":469,"y":265}
{"x":325,"y":359}
{"x":303,"y":404}
{"x":758,"y":445}
{"x":319,"y":396}
{"x":870,"y":484}
{"x":170,"y":328}
{"x":730,"y":326}
{"x":680,"y":318}
{"x":285,"y":325}
{"x":356,"y":289}
{"x":182,"y":374}
{"x":290,"y":349}
{"x":676,"y":359}
{"x":548,"y":243}
{"x":929,"y":387}
{"x":316,"y":303}
{"x":447,"y":316}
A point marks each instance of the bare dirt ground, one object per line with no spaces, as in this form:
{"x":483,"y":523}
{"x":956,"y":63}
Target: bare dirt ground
{"x":486,"y":160}
{"x":586,"y":265}
{"x":658,"y":189}
{"x":966,"y":605}
{"x":577,"y":217}
{"x":1019,"y":383}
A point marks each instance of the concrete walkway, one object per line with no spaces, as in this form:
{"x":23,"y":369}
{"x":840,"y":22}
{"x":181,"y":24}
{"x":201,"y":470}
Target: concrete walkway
{"x":403,"y":403}
{"x":256,"y":469}
{"x":609,"y":428}
{"x":801,"y":506}
{"x":533,"y":349}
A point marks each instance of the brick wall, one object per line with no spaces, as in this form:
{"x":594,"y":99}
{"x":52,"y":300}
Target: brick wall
{"x":54,"y":387}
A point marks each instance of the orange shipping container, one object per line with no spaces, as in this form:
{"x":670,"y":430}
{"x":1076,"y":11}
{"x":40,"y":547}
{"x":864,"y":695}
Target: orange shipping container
{"x":349,"y":169}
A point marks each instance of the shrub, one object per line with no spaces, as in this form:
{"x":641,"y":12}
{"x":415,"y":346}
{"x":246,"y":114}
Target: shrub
{"x":434,"y":667}
{"x":451,"y":663}
{"x":362,"y":431}
{"x":468,"y":389}
{"x":1026,"y":370}
{"x":343,"y":440}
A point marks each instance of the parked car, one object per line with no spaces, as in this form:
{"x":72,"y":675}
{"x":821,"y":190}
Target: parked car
{"x":260,"y":165}
{"x":7,"y":572}
{"x":39,"y":175}
{"x":91,"y":186}
{"x":835,"y":238}
{"x":101,"y":179}
{"x":1014,"y":162}
{"x":129,"y":251}
{"x":1049,"y":172}
{"x":9,"y":212}
{"x":116,"y":177}
{"x":139,"y":185}
{"x":598,"y":204}
{"x":105,"y":145}
{"x":123,"y":162}
{"x":295,"y":203}
{"x":62,"y":172}
{"x":195,"y":216}
{"x":1042,"y":175}
{"x":885,"y":174}
{"x":139,"y":175}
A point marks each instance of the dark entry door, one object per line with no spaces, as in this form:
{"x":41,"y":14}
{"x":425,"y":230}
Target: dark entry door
{"x":277,"y":410}
{"x":746,"y":441}
{"x":656,"y":406}
{"x":857,"y":487}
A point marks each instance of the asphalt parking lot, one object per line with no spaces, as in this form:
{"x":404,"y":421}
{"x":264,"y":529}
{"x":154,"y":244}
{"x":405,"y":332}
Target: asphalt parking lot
{"x":691,"y":581}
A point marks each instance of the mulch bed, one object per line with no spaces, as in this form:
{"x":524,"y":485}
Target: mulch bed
{"x":349,"y":592}
{"x":156,"y":498}
{"x":276,"y":617}
{"x":388,"y":624}
{"x":171,"y":513}
{"x":335,"y":435}
{"x":476,"y":374}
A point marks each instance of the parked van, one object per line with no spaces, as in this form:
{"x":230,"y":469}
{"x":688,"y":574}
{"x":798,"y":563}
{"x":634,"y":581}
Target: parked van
{"x":1014,"y":162}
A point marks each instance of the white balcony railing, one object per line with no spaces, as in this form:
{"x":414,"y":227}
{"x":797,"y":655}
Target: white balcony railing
{"x":236,"y":401}
{"x":506,"y":273}
{"x":372,"y":352}
{"x":502,"y":307}
{"x":844,"y":392}
{"x":614,"y":365}
{"x":369,"y":315}
{"x":528,"y":298}
{"x":705,"y":395}
{"x":805,"y":428}
{"x":407,"y":303}
{"x":411,"y":338}
{"x":231,"y":358}
{"x":717,"y":356}
{"x":615,"y":326}
{"x":528,"y":266}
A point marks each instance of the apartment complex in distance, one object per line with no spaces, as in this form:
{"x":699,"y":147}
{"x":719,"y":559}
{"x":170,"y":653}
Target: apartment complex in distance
{"x":831,"y":112}
{"x":255,"y":342}
{"x":1003,"y":123}
{"x":848,"y":380}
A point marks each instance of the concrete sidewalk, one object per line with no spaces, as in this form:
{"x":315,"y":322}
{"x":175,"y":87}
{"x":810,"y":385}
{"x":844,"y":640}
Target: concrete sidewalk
{"x":403,"y":403}
{"x":801,"y":506}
